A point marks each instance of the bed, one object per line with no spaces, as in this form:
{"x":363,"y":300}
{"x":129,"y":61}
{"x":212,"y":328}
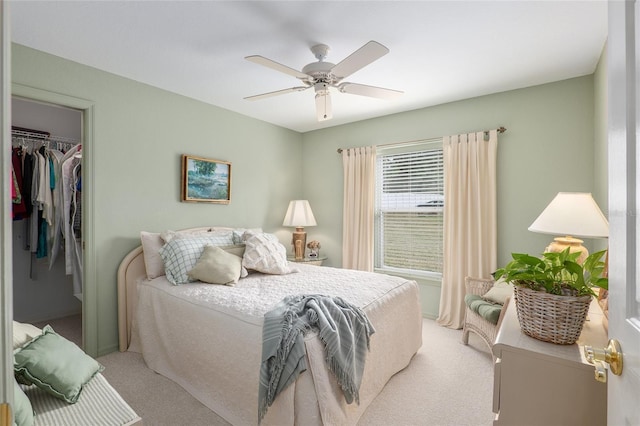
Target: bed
{"x":207,"y":338}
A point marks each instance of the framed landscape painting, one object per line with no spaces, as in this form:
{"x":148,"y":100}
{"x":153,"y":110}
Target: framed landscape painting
{"x":205,"y":180}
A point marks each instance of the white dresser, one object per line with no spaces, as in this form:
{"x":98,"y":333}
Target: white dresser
{"x":540,"y":383}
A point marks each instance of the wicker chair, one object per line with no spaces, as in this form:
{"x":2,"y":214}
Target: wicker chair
{"x":474,"y":322}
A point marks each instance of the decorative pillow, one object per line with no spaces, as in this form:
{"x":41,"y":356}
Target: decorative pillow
{"x":238,"y":250}
{"x":499,"y":292}
{"x":23,"y":333}
{"x":264,"y":253}
{"x":170,"y":235}
{"x":239,"y":234}
{"x":181,"y":254}
{"x":217,"y":266}
{"x":151,"y":245}
{"x":22,"y":410}
{"x":55,"y":365}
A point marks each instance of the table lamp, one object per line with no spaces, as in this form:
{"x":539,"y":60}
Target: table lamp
{"x":299,"y":214}
{"x":572,"y":214}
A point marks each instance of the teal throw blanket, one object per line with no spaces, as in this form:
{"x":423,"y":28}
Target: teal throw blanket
{"x":342,"y":327}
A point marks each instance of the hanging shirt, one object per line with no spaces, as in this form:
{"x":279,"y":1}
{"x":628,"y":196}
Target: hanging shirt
{"x":37,"y":208}
{"x":68,"y":163}
{"x":56,"y":231}
{"x":19,"y":209}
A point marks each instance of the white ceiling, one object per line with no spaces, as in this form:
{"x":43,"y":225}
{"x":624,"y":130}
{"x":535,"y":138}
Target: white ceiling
{"x":440,"y":51}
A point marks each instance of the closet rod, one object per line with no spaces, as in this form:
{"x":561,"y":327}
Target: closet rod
{"x":41,"y":137}
{"x":500,"y":129}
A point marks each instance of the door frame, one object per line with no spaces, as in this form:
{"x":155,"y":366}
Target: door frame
{"x":89,"y":274}
{"x":6,"y":251}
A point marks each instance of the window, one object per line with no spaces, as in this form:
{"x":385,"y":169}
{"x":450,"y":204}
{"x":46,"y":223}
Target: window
{"x":409,"y":208}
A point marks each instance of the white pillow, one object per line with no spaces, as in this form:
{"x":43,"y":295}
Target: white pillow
{"x":264,"y":253}
{"x":217,"y":266}
{"x":240,"y":234}
{"x":499,"y":292}
{"x":238,"y":250}
{"x":170,"y":235}
{"x":23,"y":333}
{"x":151,"y":245}
{"x":181,"y":254}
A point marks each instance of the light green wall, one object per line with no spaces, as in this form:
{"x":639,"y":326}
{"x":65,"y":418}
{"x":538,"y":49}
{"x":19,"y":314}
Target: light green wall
{"x":547,"y":148}
{"x":140,"y":133}
{"x":601,"y":179}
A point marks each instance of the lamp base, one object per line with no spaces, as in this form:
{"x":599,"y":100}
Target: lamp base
{"x":299,"y":242}
{"x":575,"y":245}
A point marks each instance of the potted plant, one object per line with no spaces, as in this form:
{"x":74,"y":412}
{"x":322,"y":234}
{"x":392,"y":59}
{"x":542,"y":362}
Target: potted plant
{"x":553,"y":292}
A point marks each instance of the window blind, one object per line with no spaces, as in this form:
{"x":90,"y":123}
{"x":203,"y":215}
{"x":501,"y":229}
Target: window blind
{"x":409,"y":208}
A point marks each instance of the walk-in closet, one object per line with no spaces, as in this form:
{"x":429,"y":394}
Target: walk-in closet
{"x":47,"y":213}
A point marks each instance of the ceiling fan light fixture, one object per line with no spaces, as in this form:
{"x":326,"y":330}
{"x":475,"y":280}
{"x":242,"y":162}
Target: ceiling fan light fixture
{"x":321,"y":88}
{"x":322,"y":75}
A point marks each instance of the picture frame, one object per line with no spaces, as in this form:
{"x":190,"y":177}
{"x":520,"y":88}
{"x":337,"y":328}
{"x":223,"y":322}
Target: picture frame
{"x":205,"y":180}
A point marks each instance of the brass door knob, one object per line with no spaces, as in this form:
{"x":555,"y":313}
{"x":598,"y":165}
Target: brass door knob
{"x":612,"y":355}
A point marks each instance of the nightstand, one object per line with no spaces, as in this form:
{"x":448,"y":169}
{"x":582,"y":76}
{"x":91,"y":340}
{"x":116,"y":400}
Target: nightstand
{"x":540,"y":383}
{"x":317,"y":261}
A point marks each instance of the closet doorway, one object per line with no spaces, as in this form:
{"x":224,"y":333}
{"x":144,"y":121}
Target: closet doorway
{"x":47,"y":253}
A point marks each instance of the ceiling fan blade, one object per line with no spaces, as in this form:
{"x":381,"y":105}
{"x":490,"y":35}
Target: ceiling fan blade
{"x":276,"y":93}
{"x":359,"y":59}
{"x":257,"y":59}
{"x":323,"y":106}
{"x":371,"y":91}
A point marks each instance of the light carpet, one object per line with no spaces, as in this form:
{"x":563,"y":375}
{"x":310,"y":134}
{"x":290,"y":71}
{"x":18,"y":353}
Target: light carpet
{"x":446,"y":384}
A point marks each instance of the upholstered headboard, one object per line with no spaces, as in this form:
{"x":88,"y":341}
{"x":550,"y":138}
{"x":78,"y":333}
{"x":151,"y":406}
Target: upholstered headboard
{"x":131,"y":270}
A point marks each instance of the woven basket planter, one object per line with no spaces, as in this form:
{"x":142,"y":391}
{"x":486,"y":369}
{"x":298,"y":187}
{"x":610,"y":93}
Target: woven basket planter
{"x":550,"y":317}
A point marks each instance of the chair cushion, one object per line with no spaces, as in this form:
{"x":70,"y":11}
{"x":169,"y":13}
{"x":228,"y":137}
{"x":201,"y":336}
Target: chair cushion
{"x":487,"y":310}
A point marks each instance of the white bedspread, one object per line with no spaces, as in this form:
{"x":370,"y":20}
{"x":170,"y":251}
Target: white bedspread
{"x":207,"y":338}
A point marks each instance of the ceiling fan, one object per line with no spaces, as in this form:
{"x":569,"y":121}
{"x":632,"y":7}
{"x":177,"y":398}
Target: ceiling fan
{"x":323,"y":75}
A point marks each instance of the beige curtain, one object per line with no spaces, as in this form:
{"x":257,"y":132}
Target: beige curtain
{"x":359,"y":198}
{"x":470,"y":219}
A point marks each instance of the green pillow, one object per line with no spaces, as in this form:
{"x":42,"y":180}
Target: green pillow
{"x":22,"y":409}
{"x":55,"y":365}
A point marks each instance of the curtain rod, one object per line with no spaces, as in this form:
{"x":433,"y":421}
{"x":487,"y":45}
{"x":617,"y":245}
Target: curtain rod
{"x":500,"y":129}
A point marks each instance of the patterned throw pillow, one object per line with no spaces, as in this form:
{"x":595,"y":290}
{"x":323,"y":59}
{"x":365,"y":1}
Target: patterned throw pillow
{"x":240,"y":234}
{"x":264,"y":253}
{"x":181,"y":255}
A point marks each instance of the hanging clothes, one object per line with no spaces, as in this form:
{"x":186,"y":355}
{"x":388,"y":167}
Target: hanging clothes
{"x":48,"y":202}
{"x":72,"y":247}
{"x":19,"y":209}
{"x":55,"y":240}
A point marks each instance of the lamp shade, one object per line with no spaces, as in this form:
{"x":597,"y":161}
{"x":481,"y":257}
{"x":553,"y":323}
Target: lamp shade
{"x":299,"y":214}
{"x":572,"y":213}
